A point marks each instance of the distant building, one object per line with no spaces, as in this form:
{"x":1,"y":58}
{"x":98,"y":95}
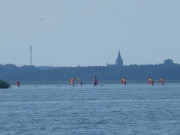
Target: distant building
{"x":119,"y":62}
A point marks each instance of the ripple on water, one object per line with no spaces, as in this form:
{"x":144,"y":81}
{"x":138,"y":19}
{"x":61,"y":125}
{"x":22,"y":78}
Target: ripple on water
{"x":112,"y":109}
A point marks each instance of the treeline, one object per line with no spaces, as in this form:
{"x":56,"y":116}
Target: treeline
{"x":48,"y":75}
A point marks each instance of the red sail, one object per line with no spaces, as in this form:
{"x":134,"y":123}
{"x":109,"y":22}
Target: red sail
{"x":17,"y":83}
{"x":161,"y":80}
{"x":71,"y":82}
{"x":151,"y":82}
{"x":123,"y":81}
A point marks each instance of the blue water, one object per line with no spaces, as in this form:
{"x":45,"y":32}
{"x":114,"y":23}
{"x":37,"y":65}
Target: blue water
{"x":108,"y":110}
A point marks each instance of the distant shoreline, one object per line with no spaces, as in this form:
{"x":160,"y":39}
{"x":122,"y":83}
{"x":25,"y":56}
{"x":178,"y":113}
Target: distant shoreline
{"x":106,"y":75}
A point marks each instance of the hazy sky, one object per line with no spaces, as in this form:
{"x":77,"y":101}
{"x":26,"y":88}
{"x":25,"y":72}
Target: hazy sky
{"x":89,"y":32}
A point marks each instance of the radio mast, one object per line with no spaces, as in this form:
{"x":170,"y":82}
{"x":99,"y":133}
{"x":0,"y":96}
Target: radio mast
{"x":31,"y":55}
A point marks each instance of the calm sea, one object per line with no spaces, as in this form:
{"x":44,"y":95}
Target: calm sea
{"x":104,"y":110}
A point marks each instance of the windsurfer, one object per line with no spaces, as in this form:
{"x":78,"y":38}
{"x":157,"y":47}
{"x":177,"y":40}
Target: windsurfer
{"x":161,"y":80}
{"x":123,"y":81}
{"x":95,"y":81}
{"x":151,"y":82}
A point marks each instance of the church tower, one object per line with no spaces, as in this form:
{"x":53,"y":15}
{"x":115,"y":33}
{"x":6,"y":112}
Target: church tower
{"x":119,"y":60}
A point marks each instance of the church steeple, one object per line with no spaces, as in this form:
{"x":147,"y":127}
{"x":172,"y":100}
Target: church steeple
{"x":119,"y":60}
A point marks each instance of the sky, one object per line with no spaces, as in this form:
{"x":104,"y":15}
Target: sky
{"x":89,"y":32}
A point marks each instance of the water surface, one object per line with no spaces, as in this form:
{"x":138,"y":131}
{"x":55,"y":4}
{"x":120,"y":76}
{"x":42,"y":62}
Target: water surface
{"x":104,"y":110}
